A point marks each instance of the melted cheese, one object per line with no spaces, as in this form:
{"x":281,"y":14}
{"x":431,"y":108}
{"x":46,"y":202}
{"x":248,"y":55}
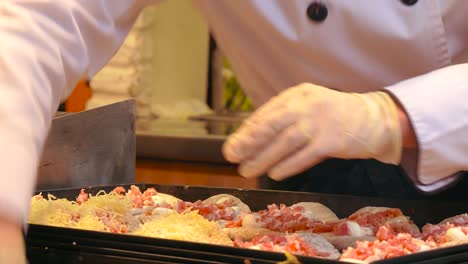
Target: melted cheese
{"x":64,"y":213}
{"x":354,"y":229}
{"x":189,"y":227}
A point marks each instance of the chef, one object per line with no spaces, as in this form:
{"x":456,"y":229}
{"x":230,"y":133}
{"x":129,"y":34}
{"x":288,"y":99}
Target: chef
{"x":337,"y":83}
{"x":373,"y":83}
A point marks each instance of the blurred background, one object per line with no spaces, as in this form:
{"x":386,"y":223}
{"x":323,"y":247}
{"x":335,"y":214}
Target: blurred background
{"x":188,"y":99}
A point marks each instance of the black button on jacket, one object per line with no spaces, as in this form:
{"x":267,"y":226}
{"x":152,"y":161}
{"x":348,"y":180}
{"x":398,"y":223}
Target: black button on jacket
{"x":409,"y":2}
{"x":317,"y":11}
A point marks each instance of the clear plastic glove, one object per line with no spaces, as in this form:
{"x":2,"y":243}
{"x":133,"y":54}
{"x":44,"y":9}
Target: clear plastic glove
{"x":307,"y":124}
{"x":12,"y":248}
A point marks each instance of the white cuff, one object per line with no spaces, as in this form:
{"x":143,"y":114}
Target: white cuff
{"x":436,"y":107}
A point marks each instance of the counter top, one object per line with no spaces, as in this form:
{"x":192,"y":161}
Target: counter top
{"x":183,"y":139}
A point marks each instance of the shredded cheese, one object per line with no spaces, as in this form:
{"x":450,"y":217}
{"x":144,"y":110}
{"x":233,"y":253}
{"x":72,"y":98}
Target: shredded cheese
{"x":102,"y":212}
{"x":115,"y":212}
{"x":189,"y":227}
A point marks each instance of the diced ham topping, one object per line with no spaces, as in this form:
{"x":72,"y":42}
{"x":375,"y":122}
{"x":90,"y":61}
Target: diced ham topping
{"x":281,"y":243}
{"x":437,"y":233}
{"x":387,"y":245}
{"x":319,"y":227}
{"x":459,"y":220}
{"x":119,"y":190}
{"x":289,"y":219}
{"x":234,"y":223}
{"x":212,"y":211}
{"x":113,"y":225}
{"x":405,"y":227}
{"x":137,"y":197}
{"x":393,"y":218}
{"x":375,"y":220}
{"x":341,"y":228}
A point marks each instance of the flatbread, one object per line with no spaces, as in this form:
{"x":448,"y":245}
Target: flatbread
{"x":369,"y":210}
{"x":222,"y":198}
{"x":294,"y":218}
{"x":343,"y":242}
{"x":317,"y":211}
{"x":246,"y":233}
{"x":378,"y":216}
{"x":354,"y":232}
{"x":321,"y":244}
{"x":461,"y":219}
{"x":304,"y":243}
{"x":163,"y":198}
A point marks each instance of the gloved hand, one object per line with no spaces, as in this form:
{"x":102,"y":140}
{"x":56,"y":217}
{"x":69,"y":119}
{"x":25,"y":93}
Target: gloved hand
{"x":309,"y":123}
{"x":12,"y":248}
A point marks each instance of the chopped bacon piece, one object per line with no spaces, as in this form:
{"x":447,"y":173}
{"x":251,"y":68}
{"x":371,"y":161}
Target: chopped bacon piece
{"x":75,"y":217}
{"x":82,"y":197}
{"x":319,"y":227}
{"x":384,"y":233}
{"x":234,"y":223}
{"x":141,"y":199}
{"x":119,"y":190}
{"x":341,"y":228}
{"x":38,"y":197}
{"x":149,"y":192}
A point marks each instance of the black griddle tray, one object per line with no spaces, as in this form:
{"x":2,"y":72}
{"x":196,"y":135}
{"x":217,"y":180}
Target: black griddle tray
{"x":47,"y":244}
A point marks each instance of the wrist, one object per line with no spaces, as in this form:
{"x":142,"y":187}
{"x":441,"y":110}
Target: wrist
{"x":379,"y":126}
{"x":407,"y":131}
{"x":12,"y":245}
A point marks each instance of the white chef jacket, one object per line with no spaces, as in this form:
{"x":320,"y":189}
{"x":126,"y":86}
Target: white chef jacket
{"x":418,"y":53}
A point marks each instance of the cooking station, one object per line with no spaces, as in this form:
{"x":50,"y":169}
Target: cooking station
{"x":48,"y":244}
{"x":95,"y":150}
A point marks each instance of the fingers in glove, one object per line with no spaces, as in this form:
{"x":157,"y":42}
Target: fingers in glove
{"x":303,"y":159}
{"x":275,"y":104}
{"x":252,"y":138}
{"x":287,"y":142}
{"x":263,"y":125}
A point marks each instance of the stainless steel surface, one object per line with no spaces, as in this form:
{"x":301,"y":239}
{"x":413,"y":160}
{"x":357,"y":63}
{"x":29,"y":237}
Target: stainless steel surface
{"x":222,"y":117}
{"x":189,"y":140}
{"x":92,"y":147}
{"x":59,"y":114}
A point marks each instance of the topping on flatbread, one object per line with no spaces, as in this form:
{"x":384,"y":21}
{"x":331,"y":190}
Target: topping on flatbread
{"x":393,"y":218}
{"x":307,"y":228}
{"x":306,"y":244}
{"x":282,"y":218}
{"x":387,"y":245}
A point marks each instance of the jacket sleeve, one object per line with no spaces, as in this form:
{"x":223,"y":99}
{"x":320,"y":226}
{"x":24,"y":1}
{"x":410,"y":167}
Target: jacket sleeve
{"x":437,"y":107}
{"x":47,"y":47}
